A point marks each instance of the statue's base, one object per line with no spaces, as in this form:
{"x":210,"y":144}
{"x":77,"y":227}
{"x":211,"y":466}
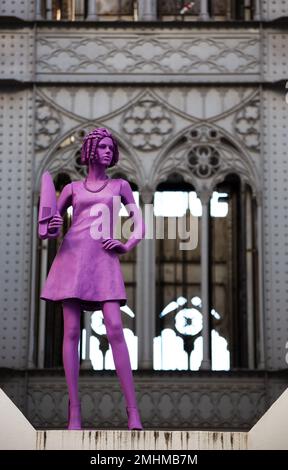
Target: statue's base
{"x":270,"y":432}
{"x":140,"y":440}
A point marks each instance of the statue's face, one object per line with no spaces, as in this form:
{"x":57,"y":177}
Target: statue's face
{"x":105,"y":149}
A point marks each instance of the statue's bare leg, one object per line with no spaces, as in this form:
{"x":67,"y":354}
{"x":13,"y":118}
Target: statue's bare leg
{"x":114,"y":328}
{"x":71,"y":315}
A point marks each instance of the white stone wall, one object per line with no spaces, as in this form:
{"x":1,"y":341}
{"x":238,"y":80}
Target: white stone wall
{"x":273,"y":9}
{"x":23,"y":9}
{"x":17,"y":57}
{"x":16,"y":189}
{"x":275,"y":225}
{"x":274,"y":54}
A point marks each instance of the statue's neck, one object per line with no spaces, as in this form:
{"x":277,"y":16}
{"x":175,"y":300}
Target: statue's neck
{"x":96,"y":173}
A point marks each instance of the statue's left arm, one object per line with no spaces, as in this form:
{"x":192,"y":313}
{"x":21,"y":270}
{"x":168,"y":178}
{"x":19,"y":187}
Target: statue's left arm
{"x":138,"y":233}
{"x":133,"y":211}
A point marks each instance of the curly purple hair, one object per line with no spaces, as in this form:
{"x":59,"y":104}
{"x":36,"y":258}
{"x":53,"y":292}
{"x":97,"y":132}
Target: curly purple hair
{"x":90,"y":144}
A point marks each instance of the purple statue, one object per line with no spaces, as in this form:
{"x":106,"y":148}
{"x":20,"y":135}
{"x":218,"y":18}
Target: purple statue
{"x":86,"y":272}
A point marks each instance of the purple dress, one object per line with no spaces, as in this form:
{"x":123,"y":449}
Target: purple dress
{"x":82,"y":268}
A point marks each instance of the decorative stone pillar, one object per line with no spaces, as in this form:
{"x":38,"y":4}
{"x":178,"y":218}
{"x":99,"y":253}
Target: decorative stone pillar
{"x":92,"y":11}
{"x":204,"y":15}
{"x":147,"y":10}
{"x":205,"y":199}
{"x":145,"y":298}
{"x":42,"y":306}
{"x":38,"y":12}
{"x":257,"y":11}
{"x":31,"y":354}
{"x":48,"y":9}
{"x":249,"y":278}
{"x":261,"y":359}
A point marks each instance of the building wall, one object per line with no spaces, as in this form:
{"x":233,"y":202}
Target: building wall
{"x":275,"y":205}
{"x":16,"y":190}
{"x":24,"y":9}
{"x":57,"y":80}
{"x":274,"y":9}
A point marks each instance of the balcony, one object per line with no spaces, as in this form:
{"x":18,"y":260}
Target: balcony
{"x":143,"y":10}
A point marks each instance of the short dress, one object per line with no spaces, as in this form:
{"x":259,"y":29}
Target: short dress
{"x":82,"y":268}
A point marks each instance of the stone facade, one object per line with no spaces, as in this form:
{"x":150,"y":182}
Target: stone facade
{"x":224,"y":83}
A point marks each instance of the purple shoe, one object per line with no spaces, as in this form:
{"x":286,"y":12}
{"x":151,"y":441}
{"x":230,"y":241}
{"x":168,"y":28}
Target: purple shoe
{"x":134,"y":421}
{"x":74,"y":417}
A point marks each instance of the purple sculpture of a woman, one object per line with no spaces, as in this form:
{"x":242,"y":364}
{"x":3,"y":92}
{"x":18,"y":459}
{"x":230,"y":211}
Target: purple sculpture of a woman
{"x":86,"y":272}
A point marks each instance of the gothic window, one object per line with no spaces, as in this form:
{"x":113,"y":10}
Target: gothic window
{"x":232,"y":279}
{"x":231,"y":9}
{"x":184,"y":10}
{"x":233,"y":276}
{"x":128,"y":10}
{"x":170,"y":10}
{"x":106,"y":10}
{"x":178,"y":324}
{"x":63,"y":9}
{"x":116,"y":9}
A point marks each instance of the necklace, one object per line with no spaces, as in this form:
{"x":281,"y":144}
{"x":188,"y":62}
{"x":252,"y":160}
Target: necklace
{"x":95,"y":190}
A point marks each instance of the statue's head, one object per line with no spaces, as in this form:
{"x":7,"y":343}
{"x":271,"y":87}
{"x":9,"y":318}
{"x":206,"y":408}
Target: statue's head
{"x":90,"y":144}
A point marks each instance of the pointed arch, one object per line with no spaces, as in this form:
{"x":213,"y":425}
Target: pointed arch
{"x":204,"y":154}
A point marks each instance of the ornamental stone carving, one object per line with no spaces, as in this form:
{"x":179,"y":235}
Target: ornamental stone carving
{"x":204,"y":161}
{"x":148,"y":123}
{"x":247,"y":124}
{"x":97,"y":54}
{"x":48,"y":124}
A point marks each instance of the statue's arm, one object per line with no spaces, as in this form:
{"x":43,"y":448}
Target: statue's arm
{"x":128,"y":200}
